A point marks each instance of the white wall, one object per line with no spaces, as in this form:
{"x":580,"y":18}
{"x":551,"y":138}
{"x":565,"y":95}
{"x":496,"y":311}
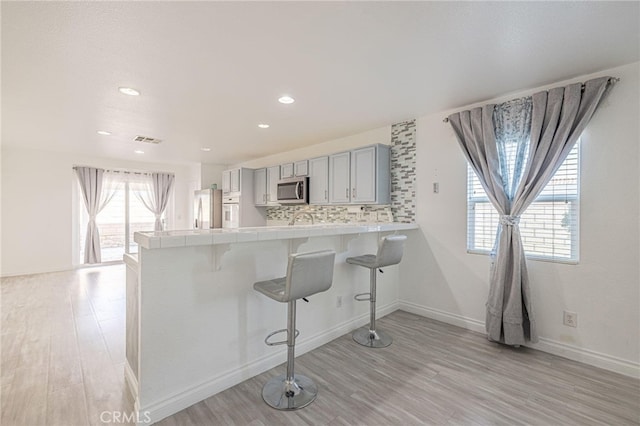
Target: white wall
{"x":210,"y":174}
{"x":37,"y":206}
{"x":440,"y":280}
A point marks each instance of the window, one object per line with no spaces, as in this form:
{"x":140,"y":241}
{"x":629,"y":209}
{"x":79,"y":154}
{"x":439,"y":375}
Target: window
{"x":549,"y":227}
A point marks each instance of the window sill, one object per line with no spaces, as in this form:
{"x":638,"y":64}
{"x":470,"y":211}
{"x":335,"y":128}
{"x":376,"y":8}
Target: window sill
{"x":535,"y":258}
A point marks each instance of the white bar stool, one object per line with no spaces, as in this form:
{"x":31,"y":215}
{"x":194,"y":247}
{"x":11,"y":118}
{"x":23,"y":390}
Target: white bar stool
{"x":389,"y":253}
{"x":307,"y":274}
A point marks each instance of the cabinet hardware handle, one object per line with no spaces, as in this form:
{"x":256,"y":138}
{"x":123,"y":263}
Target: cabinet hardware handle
{"x":353,"y":193}
{"x":325,"y":194}
{"x":347,"y":192}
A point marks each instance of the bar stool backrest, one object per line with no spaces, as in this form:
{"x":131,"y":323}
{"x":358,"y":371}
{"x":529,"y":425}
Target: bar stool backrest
{"x":390,"y":250}
{"x":309,"y":273}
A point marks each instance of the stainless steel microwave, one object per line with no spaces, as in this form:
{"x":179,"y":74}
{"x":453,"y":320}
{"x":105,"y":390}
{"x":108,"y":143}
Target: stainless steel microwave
{"x":293,"y":191}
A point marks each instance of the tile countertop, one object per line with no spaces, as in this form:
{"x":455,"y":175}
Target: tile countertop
{"x":197,"y":237}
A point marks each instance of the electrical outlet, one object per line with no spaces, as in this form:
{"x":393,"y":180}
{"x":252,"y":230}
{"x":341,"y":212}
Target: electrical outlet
{"x":338,"y":301}
{"x":570,"y":319}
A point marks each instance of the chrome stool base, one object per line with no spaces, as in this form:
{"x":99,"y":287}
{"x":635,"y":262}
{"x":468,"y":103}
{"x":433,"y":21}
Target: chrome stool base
{"x":289,"y":396}
{"x":371,"y":339}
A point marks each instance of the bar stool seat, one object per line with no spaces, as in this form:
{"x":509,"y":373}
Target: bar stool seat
{"x":389,"y":253}
{"x":307,"y":274}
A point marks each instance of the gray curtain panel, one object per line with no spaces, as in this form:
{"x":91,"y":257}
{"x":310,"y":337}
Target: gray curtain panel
{"x":153,"y":191}
{"x":95,"y":199}
{"x":91,"y":185}
{"x":558,"y":117}
{"x":162,"y":185}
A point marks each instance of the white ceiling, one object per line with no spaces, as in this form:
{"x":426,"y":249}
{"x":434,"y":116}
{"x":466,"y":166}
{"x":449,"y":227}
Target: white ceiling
{"x":209,"y":72}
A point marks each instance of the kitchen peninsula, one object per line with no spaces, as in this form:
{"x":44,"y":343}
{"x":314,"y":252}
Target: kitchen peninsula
{"x":194,"y":324}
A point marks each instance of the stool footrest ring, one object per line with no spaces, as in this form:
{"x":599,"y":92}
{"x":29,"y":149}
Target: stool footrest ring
{"x":362,"y":297}
{"x":282,"y":342}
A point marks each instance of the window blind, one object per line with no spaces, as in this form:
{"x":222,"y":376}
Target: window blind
{"x":549,"y":227}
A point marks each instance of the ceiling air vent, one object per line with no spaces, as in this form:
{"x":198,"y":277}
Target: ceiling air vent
{"x":146,"y":139}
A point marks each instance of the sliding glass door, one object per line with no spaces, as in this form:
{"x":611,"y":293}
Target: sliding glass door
{"x":120,"y":218}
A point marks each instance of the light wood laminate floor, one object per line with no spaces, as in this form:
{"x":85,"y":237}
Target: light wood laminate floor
{"x":63,"y":354}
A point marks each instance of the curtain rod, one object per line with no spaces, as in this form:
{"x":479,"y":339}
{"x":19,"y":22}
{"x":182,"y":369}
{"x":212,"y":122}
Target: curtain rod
{"x":118,"y":171}
{"x":612,"y":80}
{"x":127,"y":172}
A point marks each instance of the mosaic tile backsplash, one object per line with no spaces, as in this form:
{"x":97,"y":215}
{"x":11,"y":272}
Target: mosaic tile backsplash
{"x":403,"y":171}
{"x":403,"y":192}
{"x":332,"y":214}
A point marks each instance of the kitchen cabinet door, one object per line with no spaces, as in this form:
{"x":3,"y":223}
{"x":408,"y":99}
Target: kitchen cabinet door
{"x":273,"y":176}
{"x":260,"y":187}
{"x":235,"y":180}
{"x":319,"y":180}
{"x":301,"y":168}
{"x":226,"y":182}
{"x":363,"y":175}
{"x":339,"y":178}
{"x":286,"y":171}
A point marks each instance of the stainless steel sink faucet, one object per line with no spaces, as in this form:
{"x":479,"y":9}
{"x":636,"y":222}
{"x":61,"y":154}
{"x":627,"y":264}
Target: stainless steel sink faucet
{"x":298,"y":214}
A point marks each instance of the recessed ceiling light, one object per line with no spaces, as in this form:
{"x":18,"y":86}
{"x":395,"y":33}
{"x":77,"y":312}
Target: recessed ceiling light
{"x":205,"y":149}
{"x":139,"y":151}
{"x":103,"y":133}
{"x":286,"y":99}
{"x":263,"y":126}
{"x":128,"y":91}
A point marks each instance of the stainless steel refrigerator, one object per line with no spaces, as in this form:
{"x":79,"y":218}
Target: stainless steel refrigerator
{"x":207,"y":209}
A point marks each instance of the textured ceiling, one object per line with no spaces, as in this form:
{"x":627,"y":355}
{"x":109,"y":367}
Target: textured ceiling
{"x":209,"y":72}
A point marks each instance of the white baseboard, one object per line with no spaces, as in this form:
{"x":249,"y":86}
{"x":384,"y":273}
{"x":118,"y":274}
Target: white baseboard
{"x":33,"y":272}
{"x":597,"y":359}
{"x":59,"y":269}
{"x":158,"y":410}
{"x":446,"y":317}
{"x":132,"y":381}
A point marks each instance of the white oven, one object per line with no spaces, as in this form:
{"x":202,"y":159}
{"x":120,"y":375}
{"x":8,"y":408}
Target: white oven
{"x":231,"y":215}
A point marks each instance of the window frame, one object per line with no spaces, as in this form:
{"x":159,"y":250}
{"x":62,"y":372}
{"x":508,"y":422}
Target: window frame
{"x":80,"y":218}
{"x":574,"y":200}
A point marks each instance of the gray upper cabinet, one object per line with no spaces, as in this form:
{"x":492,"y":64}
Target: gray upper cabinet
{"x":273,"y":176}
{"x":231,"y":182}
{"x":235,"y":181}
{"x":361,"y":176}
{"x":319,"y":180}
{"x":265,"y":186}
{"x":286,"y":171}
{"x":260,"y":187}
{"x":226,"y":182}
{"x":289,"y":170}
{"x":301,"y":168}
{"x":339,"y":178}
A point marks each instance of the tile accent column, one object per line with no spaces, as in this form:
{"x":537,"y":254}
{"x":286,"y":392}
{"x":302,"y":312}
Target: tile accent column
{"x":403,"y":171}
